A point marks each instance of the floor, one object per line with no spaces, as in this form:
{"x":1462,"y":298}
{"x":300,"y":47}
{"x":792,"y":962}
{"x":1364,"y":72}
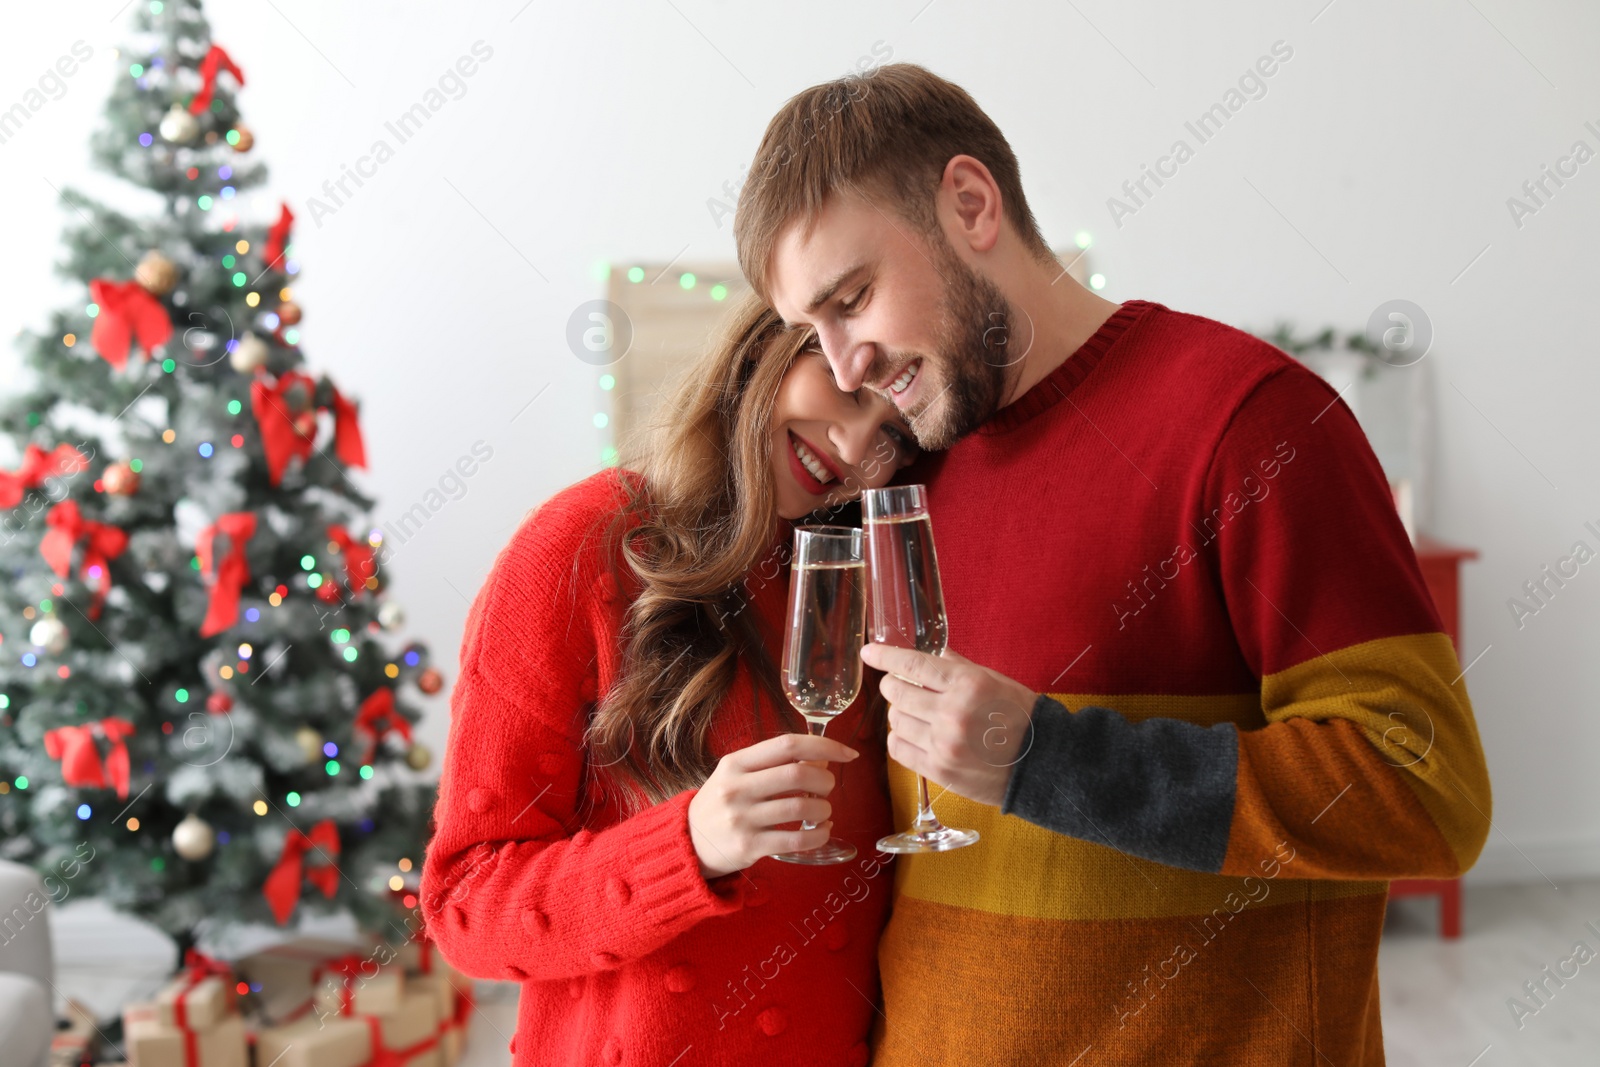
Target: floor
{"x":1445,"y":1004}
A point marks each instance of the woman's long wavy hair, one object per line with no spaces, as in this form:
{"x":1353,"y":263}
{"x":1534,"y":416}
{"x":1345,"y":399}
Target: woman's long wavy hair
{"x":700,"y":520}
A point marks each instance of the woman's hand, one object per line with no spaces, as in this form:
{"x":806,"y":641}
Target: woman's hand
{"x":732,"y":817}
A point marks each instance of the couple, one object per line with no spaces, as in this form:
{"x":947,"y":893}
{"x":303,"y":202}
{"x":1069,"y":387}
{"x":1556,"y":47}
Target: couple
{"x":1199,"y":703}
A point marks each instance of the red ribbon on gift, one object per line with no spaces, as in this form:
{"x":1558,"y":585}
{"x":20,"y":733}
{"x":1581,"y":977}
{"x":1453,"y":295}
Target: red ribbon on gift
{"x":281,"y":427}
{"x":37,"y":465}
{"x":228,"y":575}
{"x":127,"y":311}
{"x":358,"y":564}
{"x":384,"y":1056}
{"x":282,"y":887}
{"x":215,"y":59}
{"x":378,"y":718}
{"x":197,"y":968}
{"x":78,"y":749}
{"x":346,"y":967}
{"x":103,"y":542}
{"x":278,"y":236}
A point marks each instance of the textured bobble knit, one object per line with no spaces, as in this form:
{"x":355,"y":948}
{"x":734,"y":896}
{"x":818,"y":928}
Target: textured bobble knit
{"x":626,"y":954}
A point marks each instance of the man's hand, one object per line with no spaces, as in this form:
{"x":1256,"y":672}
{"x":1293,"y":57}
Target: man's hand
{"x":952,"y":721}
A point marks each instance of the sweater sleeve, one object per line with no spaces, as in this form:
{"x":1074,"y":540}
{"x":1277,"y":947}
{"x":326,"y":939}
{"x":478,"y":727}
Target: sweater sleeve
{"x":512,"y":886}
{"x":1369,"y":765}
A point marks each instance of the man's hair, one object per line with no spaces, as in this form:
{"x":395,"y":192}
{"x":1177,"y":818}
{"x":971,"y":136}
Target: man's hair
{"x":886,"y":135}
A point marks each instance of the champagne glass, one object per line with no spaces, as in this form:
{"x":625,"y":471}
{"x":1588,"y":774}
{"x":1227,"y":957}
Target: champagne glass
{"x":908,"y":612}
{"x":822,"y":643}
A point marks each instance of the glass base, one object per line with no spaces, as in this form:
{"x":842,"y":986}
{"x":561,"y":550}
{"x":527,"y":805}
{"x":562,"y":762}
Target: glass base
{"x":835,"y":851}
{"x":942,"y":839}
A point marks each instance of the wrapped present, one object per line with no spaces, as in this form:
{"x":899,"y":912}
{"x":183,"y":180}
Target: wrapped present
{"x":356,"y":985}
{"x":426,"y":969}
{"x":199,"y":996}
{"x":74,"y":1042}
{"x":408,"y":1037}
{"x":286,"y":976}
{"x":149,"y":1042}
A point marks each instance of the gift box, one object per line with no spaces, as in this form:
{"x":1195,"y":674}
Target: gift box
{"x":427,"y":970}
{"x":353,"y":985}
{"x":194,"y":1001}
{"x":285,"y":977}
{"x":409,"y":1036}
{"x":148,"y":1042}
{"x":74,"y":1040}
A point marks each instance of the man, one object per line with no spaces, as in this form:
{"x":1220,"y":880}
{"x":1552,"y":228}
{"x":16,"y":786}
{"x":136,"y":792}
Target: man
{"x":1203,"y":708}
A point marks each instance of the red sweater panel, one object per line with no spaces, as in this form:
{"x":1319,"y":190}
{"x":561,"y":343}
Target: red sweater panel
{"x":625,"y":952}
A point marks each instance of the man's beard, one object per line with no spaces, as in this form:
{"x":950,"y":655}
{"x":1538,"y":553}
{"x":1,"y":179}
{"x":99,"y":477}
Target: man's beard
{"x":972,"y":353}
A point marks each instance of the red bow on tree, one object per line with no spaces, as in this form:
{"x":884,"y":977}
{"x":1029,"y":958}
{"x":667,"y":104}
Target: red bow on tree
{"x":358,"y":565}
{"x":278,"y":236}
{"x":78,"y":749}
{"x":37,"y":465}
{"x":227,"y":575}
{"x":127,"y":311}
{"x":215,"y":58}
{"x":103,"y":542}
{"x":286,"y":413}
{"x":378,"y":718}
{"x":282,"y":887}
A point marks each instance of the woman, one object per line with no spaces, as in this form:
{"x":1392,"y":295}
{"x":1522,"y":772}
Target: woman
{"x":622,"y":759}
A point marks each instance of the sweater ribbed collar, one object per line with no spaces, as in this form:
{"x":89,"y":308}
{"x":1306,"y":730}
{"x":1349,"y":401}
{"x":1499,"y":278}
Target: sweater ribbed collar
{"x":1054,"y":387}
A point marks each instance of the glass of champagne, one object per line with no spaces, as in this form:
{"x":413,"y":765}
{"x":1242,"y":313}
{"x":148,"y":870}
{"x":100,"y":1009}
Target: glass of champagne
{"x":908,"y":612}
{"x":822,"y":643}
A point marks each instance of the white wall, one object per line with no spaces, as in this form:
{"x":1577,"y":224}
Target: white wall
{"x":1376,"y":166}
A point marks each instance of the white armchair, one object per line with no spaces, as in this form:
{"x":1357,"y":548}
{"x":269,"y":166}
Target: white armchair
{"x":27,"y":968}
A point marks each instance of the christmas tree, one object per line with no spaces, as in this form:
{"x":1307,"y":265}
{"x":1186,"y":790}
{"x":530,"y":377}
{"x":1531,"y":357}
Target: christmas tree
{"x":201,"y":717}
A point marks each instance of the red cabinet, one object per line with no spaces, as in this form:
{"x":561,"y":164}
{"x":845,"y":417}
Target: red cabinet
{"x":1441,"y":569}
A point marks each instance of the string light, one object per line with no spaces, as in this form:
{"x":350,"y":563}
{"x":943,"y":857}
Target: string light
{"x":293,"y":800}
{"x":259,"y":807}
{"x":391,"y":670}
{"x":133,"y":823}
{"x":366,"y":770}
{"x":686,"y":280}
{"x":70,"y":339}
{"x":636,"y":274}
{"x":169,"y":435}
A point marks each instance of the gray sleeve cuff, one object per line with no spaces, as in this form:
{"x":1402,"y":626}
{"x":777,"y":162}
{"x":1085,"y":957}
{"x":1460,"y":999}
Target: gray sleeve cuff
{"x":1160,"y":789}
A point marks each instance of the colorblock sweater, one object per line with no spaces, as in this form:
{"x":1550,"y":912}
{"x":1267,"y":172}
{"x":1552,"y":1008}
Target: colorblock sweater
{"x":625,"y":952}
{"x":1251,"y":719}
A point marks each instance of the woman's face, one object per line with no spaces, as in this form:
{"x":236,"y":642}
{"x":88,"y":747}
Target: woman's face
{"x":829,"y":445}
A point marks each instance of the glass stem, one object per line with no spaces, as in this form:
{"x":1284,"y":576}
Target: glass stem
{"x":926,"y":821}
{"x":815,"y":727}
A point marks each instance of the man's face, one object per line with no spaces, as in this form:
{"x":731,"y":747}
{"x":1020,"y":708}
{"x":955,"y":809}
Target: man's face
{"x":898,"y":314}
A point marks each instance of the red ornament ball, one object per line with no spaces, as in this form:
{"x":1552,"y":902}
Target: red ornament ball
{"x":289,"y":313}
{"x":328,"y":592}
{"x":218,"y":703}
{"x":430,"y":681}
{"x":120,"y":479}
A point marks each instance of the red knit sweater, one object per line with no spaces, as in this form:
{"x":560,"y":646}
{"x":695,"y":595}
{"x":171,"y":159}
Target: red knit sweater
{"x":625,"y":952}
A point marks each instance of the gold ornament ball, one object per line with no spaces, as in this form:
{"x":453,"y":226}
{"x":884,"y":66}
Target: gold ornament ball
{"x":156,"y":273}
{"x":418,"y":757}
{"x":310,"y":743}
{"x":178,"y":126}
{"x":193,"y":838}
{"x":120,"y":479}
{"x":249,"y":354}
{"x":391,"y":616}
{"x":430,"y":681}
{"x":50,"y":634}
{"x":246,"y":140}
{"x":289,"y":313}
